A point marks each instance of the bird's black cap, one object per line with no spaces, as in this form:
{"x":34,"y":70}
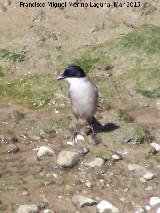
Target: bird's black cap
{"x":73,"y":71}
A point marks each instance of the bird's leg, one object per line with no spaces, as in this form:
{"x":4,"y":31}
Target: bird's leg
{"x":74,"y":136}
{"x":94,"y":133}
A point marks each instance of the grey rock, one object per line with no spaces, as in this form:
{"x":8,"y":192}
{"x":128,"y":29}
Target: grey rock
{"x":28,"y":209}
{"x":98,"y":162}
{"x":45,"y":151}
{"x":12,"y":148}
{"x":81,"y":201}
{"x":68,"y":158}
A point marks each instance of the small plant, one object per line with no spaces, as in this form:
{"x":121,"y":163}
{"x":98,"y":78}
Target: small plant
{"x":8,"y":55}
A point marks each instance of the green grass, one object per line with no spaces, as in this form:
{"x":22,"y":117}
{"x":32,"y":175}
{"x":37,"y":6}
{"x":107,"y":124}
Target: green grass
{"x":155,"y":93}
{"x":145,"y":38}
{"x":34,"y":90}
{"x":8,"y":55}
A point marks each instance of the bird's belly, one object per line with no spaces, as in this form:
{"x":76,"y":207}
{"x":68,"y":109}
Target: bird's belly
{"x":84,"y":106}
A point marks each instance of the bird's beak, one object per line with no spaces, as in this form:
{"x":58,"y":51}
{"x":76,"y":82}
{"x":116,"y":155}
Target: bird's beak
{"x":60,"y":78}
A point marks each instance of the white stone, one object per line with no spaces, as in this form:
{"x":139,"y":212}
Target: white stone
{"x":148,"y":208}
{"x":156,"y":146}
{"x":148,"y":176}
{"x":48,"y":211}
{"x":154,"y":201}
{"x":149,"y":188}
{"x":45,"y":151}
{"x":80,"y":138}
{"x":116,"y":157}
{"x":28,"y":209}
{"x":67,"y":158}
{"x":97,"y":162}
{"x":140,"y":210}
{"x":104,"y":205}
{"x":158,"y":210}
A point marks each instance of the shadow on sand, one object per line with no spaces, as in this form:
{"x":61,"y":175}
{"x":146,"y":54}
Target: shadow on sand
{"x":108,"y":127}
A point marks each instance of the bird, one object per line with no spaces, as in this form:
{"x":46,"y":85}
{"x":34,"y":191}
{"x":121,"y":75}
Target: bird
{"x":83,"y":95}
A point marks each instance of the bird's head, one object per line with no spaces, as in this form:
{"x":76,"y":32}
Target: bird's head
{"x":73,"y":71}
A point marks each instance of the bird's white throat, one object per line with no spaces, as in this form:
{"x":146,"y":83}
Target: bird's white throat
{"x":74,"y":81}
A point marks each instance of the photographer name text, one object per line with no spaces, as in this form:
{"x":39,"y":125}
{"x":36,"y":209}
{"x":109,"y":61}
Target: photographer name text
{"x":53,"y":4}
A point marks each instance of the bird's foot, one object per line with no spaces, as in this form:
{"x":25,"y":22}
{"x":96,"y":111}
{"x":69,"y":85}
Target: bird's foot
{"x":74,"y":138}
{"x":95,"y":139}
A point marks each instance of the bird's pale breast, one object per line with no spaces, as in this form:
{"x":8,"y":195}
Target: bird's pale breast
{"x":83,"y":97}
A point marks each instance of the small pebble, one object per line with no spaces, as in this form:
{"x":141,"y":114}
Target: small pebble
{"x":149,"y":176}
{"x":25,"y":193}
{"x":88,"y":184}
{"x":149,"y":188}
{"x":80,"y":138}
{"x":148,"y":208}
{"x":156,"y":146}
{"x":140,"y":210}
{"x":116,"y":157}
{"x":48,"y":211}
{"x":105,"y":205}
{"x":12,"y":148}
{"x":154,"y":201}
